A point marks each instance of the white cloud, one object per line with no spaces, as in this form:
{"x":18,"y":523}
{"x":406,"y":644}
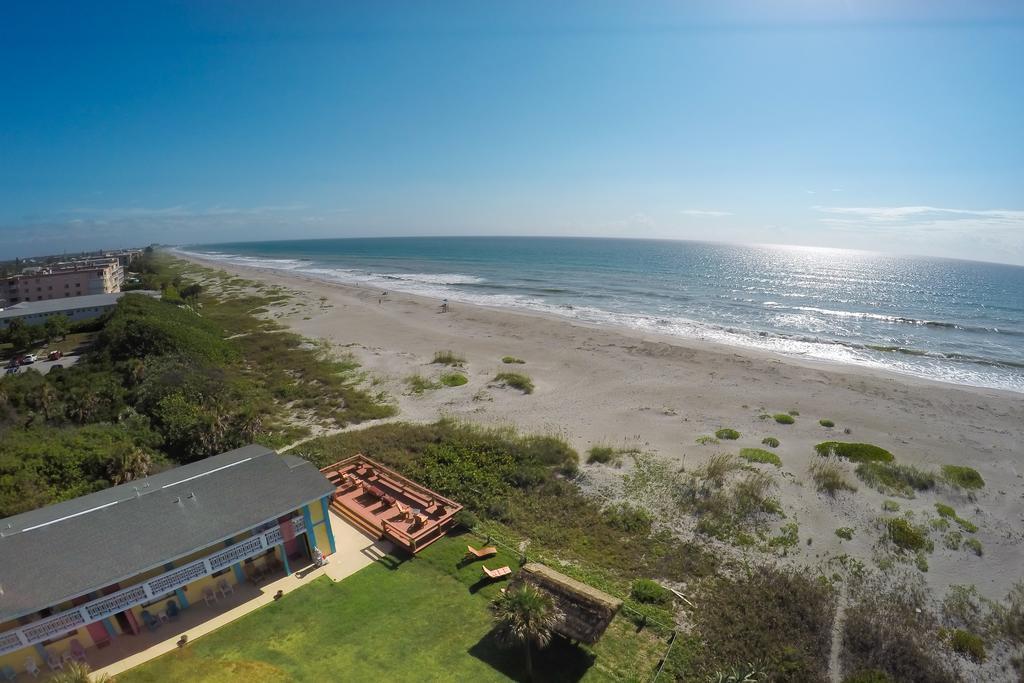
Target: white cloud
{"x":700,"y":212}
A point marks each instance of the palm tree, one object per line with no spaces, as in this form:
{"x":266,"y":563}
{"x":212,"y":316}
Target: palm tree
{"x":128,"y":464}
{"x":78,"y":672}
{"x":525,"y":616}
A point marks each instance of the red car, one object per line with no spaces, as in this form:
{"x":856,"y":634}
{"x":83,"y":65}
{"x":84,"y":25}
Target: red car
{"x":55,"y":355}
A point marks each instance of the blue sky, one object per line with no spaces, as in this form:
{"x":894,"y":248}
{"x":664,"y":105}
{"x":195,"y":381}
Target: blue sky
{"x":882,"y":125}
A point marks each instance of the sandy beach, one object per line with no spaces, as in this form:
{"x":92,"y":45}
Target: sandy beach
{"x":601,"y":385}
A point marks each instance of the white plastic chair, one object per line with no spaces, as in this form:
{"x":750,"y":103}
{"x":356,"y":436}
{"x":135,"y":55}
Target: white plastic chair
{"x":209,"y":596}
{"x":225,"y":588}
{"x":31,"y":667}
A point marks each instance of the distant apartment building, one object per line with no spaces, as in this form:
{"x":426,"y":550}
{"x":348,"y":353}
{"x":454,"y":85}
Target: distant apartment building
{"x":75,"y":309}
{"x":73,"y":278}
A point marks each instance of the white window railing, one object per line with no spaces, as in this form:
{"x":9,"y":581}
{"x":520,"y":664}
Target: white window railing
{"x":152,"y":589}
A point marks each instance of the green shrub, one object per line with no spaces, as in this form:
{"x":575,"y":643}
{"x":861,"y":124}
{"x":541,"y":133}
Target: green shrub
{"x":968,"y":645}
{"x":465,"y":519}
{"x":627,"y":518}
{"x":975,"y":546}
{"x":905,"y":535}
{"x":770,"y":441}
{"x":893,"y":478}
{"x":707,"y":440}
{"x":601,"y":454}
{"x":453,"y":379}
{"x":650,"y":592}
{"x":784,"y":418}
{"x":962,"y":477}
{"x":512,"y":360}
{"x":890,"y":506}
{"x":515,"y":380}
{"x":854,"y":452}
{"x":845,"y":532}
{"x":760,"y":455}
{"x":448,"y":357}
{"x":727,"y":434}
{"x":829,"y":477}
{"x":827,"y":423}
{"x":945,"y":510}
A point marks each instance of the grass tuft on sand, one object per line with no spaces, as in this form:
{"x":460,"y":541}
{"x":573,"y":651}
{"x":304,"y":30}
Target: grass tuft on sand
{"x":962,"y":477}
{"x":727,"y":434}
{"x":512,"y":360}
{"x":453,"y":379}
{"x":784,"y":418}
{"x":829,"y":477}
{"x":770,"y":441}
{"x":894,"y":479}
{"x":448,"y":357}
{"x":760,"y":455}
{"x":515,"y":380}
{"x":828,"y":424}
{"x":854,"y":452}
{"x":419,"y":384}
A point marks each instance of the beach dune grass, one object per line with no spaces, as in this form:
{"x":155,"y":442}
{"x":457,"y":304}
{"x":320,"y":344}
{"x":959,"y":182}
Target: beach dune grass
{"x":829,"y":477}
{"x":854,"y":452}
{"x":770,"y":441}
{"x":453,"y":379}
{"x":828,"y":424}
{"x":784,"y":418}
{"x":512,"y":360}
{"x":893,"y":478}
{"x":418,"y":384}
{"x":727,"y":434}
{"x":602,"y":454}
{"x":515,"y":380}
{"x":448,"y":357}
{"x":433,"y":611}
{"x":962,"y":476}
{"x":761,"y":456}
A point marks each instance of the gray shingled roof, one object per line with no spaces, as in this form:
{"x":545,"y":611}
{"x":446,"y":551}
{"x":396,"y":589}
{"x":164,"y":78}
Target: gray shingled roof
{"x":71,"y":303}
{"x":68,"y":549}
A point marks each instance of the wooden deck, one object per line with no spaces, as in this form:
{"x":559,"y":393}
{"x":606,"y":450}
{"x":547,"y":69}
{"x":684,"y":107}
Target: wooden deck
{"x":387,"y":505}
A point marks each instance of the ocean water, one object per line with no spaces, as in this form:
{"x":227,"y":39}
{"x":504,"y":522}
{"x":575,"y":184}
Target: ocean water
{"x":954,"y":321}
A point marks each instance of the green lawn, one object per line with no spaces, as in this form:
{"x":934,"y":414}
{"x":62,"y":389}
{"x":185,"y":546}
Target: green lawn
{"x":424,"y":619}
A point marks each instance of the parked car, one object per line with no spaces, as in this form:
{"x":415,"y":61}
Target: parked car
{"x":55,"y":355}
{"x":29,"y":359}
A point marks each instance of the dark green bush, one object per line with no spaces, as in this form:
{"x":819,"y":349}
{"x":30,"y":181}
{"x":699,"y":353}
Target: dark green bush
{"x":770,"y":441}
{"x":784,"y":418}
{"x":512,"y":360}
{"x":968,"y":645}
{"x":650,"y":592}
{"x":845,"y":533}
{"x":466,"y":519}
{"x":905,"y":535}
{"x":826,"y":423}
{"x":854,"y":452}
{"x":625,"y":517}
{"x":727,"y":434}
